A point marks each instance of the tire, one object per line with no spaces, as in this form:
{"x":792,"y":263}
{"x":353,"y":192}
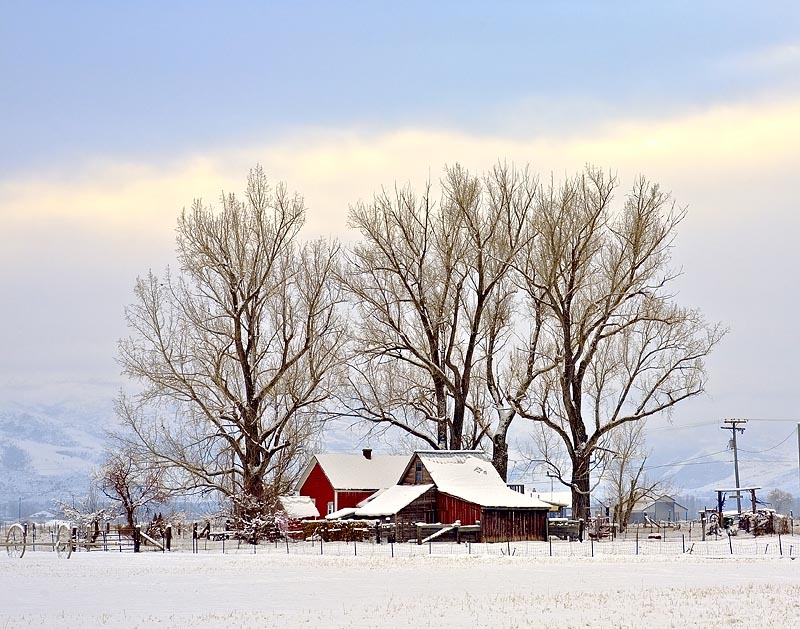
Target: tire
{"x":15,"y":541}
{"x":64,"y":542}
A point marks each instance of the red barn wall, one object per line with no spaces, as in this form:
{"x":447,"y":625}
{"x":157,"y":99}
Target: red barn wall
{"x":318,"y":487}
{"x":451,"y":509}
{"x":348,"y":499}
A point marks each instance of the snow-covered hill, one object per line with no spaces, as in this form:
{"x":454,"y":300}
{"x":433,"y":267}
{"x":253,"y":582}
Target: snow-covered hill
{"x":768,"y":458}
{"x":48,"y":453}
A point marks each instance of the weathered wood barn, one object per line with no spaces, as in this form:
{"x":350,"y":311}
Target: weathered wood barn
{"x":340,"y":481}
{"x":446,"y":486}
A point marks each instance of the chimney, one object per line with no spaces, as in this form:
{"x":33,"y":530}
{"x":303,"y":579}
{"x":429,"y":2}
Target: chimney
{"x":367,"y":452}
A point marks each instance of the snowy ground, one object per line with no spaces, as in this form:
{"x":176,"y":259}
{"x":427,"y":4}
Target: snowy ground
{"x":270,"y":589}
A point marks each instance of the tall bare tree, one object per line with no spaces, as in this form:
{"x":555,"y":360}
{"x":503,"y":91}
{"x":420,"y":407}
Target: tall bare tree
{"x":424,"y":279}
{"x":236,"y":352}
{"x":600,"y":280}
{"x":626,"y":480}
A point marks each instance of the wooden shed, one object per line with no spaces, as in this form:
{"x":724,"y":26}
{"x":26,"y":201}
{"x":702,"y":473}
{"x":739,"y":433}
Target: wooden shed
{"x":461,"y":485}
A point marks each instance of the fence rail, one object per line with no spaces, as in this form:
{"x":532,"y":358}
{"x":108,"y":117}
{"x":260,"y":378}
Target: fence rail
{"x":777,"y":545}
{"x":673,"y":544}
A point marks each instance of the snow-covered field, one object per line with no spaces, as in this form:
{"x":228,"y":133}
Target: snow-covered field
{"x":269,"y":590}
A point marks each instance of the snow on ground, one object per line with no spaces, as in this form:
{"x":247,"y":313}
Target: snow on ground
{"x":100,"y":589}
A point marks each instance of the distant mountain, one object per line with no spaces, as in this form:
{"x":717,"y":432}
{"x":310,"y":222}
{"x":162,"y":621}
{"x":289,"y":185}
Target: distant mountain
{"x":767,"y":459}
{"x":47,"y":453}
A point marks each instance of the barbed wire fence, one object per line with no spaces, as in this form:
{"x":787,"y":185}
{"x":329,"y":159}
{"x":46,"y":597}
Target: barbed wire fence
{"x":634,"y":543}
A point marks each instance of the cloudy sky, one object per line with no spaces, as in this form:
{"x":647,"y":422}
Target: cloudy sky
{"x":113,"y":118}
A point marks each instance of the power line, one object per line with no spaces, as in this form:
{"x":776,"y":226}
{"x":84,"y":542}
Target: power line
{"x":711,"y":423}
{"x":682,"y":464}
{"x":791,"y":434}
{"x":686,"y":461}
{"x":767,"y":461}
{"x":767,"y":419}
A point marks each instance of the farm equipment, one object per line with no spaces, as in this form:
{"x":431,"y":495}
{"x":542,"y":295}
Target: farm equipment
{"x":17,"y":541}
{"x":600,"y":528}
{"x":565,"y":529}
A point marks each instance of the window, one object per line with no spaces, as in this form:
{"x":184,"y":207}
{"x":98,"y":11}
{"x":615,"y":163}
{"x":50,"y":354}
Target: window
{"x":330,"y":508}
{"x":418,"y":472}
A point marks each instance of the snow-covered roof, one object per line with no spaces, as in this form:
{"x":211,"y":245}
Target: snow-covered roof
{"x":557,"y":498}
{"x":341,"y":513}
{"x":356,"y":472}
{"x":466,"y":474}
{"x":392,"y":500}
{"x":648,"y":504}
{"x":298,"y":507}
{"x":361,"y":503}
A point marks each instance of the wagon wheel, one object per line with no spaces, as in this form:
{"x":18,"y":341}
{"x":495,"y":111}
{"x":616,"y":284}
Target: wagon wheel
{"x":15,"y":541}
{"x":64,"y":542}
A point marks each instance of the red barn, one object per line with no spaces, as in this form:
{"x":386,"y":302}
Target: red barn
{"x":341,"y":481}
{"x":460,"y":485}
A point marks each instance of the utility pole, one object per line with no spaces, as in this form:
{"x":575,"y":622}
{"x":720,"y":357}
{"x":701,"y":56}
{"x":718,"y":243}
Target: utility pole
{"x":733,"y":426}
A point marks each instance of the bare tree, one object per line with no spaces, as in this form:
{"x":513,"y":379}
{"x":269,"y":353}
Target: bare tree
{"x":780,"y":500}
{"x":131,"y":483}
{"x":87,"y":510}
{"x":626,"y":480}
{"x":599,"y":280}
{"x":424,"y":280}
{"x":237,"y":352}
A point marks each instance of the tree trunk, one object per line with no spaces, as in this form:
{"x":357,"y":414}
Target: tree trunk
{"x":500,"y":454}
{"x":441,"y":409}
{"x":252,"y":485}
{"x":457,"y":433}
{"x":580,"y":488}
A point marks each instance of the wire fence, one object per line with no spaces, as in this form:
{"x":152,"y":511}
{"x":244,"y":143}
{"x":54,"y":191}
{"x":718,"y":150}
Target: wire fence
{"x":673,"y":544}
{"x":777,"y":545}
